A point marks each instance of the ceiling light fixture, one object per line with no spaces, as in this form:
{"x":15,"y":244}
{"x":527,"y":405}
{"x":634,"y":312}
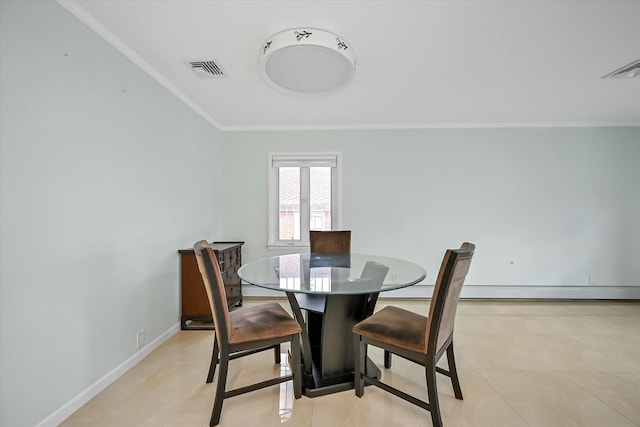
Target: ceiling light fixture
{"x":307,"y":61}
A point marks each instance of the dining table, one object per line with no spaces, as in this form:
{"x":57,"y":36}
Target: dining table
{"x":329,"y":294}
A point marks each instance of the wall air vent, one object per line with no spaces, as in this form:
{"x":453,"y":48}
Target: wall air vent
{"x":627,"y":72}
{"x":206,"y":69}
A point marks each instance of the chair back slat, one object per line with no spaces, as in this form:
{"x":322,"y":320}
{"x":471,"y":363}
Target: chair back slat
{"x":444,"y":303}
{"x":214,"y":286}
{"x":330,"y":242}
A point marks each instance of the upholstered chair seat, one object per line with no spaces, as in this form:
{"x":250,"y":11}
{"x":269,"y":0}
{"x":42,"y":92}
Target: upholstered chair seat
{"x":264,"y":322}
{"x":398,"y":327}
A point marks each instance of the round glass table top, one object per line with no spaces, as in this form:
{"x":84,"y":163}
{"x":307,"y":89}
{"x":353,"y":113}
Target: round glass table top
{"x":347,"y":274}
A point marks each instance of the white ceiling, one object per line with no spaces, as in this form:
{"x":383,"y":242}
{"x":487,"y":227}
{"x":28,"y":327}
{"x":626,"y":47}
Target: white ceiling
{"x":419,"y":64}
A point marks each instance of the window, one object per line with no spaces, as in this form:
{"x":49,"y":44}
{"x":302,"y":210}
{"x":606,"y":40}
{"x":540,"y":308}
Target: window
{"x":303,"y":196}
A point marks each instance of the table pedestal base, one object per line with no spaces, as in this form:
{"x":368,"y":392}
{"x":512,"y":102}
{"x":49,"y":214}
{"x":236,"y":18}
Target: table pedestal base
{"x":327,"y":339}
{"x":312,"y":386}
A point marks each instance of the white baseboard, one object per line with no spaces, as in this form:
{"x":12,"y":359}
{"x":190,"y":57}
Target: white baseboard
{"x":498,"y":292}
{"x":65,"y":411}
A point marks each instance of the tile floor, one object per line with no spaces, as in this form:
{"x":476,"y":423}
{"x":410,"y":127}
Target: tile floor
{"x":538,"y":364}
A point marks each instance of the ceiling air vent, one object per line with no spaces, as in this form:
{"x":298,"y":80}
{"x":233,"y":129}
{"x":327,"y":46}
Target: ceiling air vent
{"x":206,"y":69}
{"x":627,"y":72}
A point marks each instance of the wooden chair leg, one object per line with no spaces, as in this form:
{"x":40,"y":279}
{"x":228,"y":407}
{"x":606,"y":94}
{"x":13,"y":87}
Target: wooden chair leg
{"x":387,"y":359}
{"x":276,"y":353}
{"x":455,"y":381}
{"x":359,"y":351}
{"x":214,"y":360}
{"x":220,"y":390}
{"x":296,"y":367}
{"x":432,"y":391}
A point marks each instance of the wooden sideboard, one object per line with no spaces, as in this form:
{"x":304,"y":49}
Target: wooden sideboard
{"x":196,"y":313}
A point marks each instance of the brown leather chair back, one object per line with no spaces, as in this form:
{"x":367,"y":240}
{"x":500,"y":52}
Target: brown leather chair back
{"x":210,"y":270}
{"x":442,"y":312}
{"x":330,"y":242}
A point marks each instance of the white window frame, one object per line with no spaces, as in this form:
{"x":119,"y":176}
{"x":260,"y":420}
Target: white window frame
{"x":279,"y":159}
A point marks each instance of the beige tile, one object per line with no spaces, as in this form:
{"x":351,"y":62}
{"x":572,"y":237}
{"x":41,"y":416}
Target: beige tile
{"x":548,"y":308}
{"x":491,"y":351}
{"x":552,"y":352}
{"x":262,"y":408}
{"x":375,"y":408}
{"x":482,"y":405}
{"x":502,"y":325}
{"x":620,"y":390}
{"x":521,"y":363}
{"x":555,"y":325}
{"x":551,"y":399}
{"x":610,"y":353}
{"x":534,"y":351}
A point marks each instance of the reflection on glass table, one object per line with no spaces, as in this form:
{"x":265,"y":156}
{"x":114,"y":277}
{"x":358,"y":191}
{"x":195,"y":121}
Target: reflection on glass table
{"x":330,"y":274}
{"x":335,"y":291}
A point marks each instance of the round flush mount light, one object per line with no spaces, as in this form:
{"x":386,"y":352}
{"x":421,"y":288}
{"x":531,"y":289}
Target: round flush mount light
{"x":307,"y":61}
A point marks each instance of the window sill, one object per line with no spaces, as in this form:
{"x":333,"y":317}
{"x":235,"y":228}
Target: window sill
{"x":281,"y":246}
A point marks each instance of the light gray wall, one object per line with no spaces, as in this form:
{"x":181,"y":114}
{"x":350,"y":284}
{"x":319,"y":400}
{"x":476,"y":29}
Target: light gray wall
{"x":547,"y":208}
{"x":104,"y":175}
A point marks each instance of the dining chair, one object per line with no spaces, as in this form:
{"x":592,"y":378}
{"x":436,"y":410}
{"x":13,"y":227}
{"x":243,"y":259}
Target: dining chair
{"x":244,"y":332}
{"x":330,"y":242}
{"x":420,"y":339}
